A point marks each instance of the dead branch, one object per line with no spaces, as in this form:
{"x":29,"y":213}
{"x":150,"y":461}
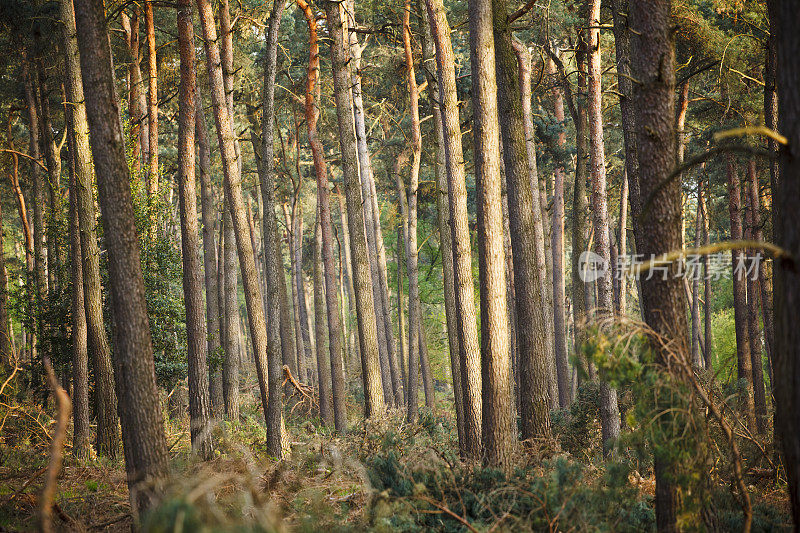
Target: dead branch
{"x":56,"y":450}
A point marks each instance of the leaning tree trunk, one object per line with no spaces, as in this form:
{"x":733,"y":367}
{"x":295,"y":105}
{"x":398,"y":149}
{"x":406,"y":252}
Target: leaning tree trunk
{"x":609,"y":411}
{"x":534,"y":361}
{"x":468,"y":349}
{"x":498,"y":432}
{"x":99,"y":350}
{"x":663,"y":300}
{"x":146,"y":458}
{"x":199,"y":408}
{"x":365,"y":305}
{"x":210,"y":269}
{"x":326,"y":227}
{"x":266,"y":345}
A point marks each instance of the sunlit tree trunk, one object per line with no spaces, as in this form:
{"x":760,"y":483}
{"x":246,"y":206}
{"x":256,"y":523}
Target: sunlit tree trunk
{"x":468,"y":350}
{"x":534,"y":361}
{"x":497,"y":428}
{"x":365,"y":305}
{"x":199,"y":407}
{"x":107,"y":438}
{"x":146,"y":458}
{"x":152,"y":99}
{"x":609,"y":411}
{"x":266,"y":345}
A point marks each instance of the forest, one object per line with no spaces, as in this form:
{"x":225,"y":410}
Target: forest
{"x":400,"y":265}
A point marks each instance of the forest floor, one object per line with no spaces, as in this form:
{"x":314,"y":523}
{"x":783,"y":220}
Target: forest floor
{"x":381,"y":476}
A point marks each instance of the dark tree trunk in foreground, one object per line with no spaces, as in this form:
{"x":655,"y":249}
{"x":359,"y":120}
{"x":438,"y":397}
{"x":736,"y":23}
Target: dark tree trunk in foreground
{"x":199,"y":408}
{"x":146,"y":459}
{"x":365,"y":305}
{"x":534,"y":363}
{"x":664,"y":302}
{"x":105,"y":396}
{"x":468,"y":350}
{"x":786,"y":195}
{"x":266,"y":348}
{"x":498,"y":430}
{"x":210,"y":268}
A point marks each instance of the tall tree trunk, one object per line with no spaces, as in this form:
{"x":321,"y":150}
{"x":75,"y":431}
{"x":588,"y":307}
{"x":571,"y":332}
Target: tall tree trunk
{"x":534,"y":361}
{"x":498,"y":432}
{"x":744,"y":364}
{"x":557,"y":241}
{"x":365,"y":305}
{"x":80,"y":348}
{"x":401,"y":315}
{"x":321,"y":330}
{"x":290,"y":217}
{"x":708,"y":336}
{"x":199,"y":407}
{"x":209,"y":219}
{"x":468,"y":349}
{"x":146,"y":458}
{"x":326,"y":226}
{"x":105,"y":396}
{"x":266,"y":344}
{"x":137,"y":105}
{"x":754,"y":331}
{"x":152,"y":99}
{"x":609,"y":411}
{"x":414,"y":306}
{"x":697,"y":359}
{"x":348,"y":271}
{"x":770,"y":121}
{"x":443,"y":220}
{"x":663,"y":300}
{"x":786,"y":195}
{"x":230,"y":328}
{"x":622,"y":236}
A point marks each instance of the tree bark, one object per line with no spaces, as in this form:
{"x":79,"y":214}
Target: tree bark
{"x":231,"y":333}
{"x":609,"y":411}
{"x":146,"y":459}
{"x":468,"y":349}
{"x":210,"y":271}
{"x":199,"y":407}
{"x":534,"y":361}
{"x":152,"y":100}
{"x":266,"y":345}
{"x":365,"y":305}
{"x":107,"y":438}
{"x":498,"y":432}
{"x":708,"y":336}
{"x":321,"y":330}
{"x":663,"y":300}
{"x":137,"y":103}
{"x":401,"y":315}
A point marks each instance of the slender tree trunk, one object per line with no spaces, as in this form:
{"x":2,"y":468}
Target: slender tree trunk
{"x":209,"y":218}
{"x":105,"y":397}
{"x":348,"y":271}
{"x":365,"y":305}
{"x":401,"y":315}
{"x":266,"y":344}
{"x":137,"y":107}
{"x":146,"y":458}
{"x":414,"y":306}
{"x":557,"y":242}
{"x":609,"y":411}
{"x":199,"y":407}
{"x":468,"y":349}
{"x":697,"y":358}
{"x":754,"y":331}
{"x":663,"y":300}
{"x":707,"y":337}
{"x":744,"y":364}
{"x":321,"y":331}
{"x":498,"y":432}
{"x":231,"y":333}
{"x":622,"y":233}
{"x":80,"y":348}
{"x":152,"y":99}
{"x":290,"y":218}
{"x":443,"y":219}
{"x":534,"y":361}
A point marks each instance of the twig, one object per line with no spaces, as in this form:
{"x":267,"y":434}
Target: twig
{"x":56,"y":450}
{"x":8,"y":150}
{"x":447,"y":510}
